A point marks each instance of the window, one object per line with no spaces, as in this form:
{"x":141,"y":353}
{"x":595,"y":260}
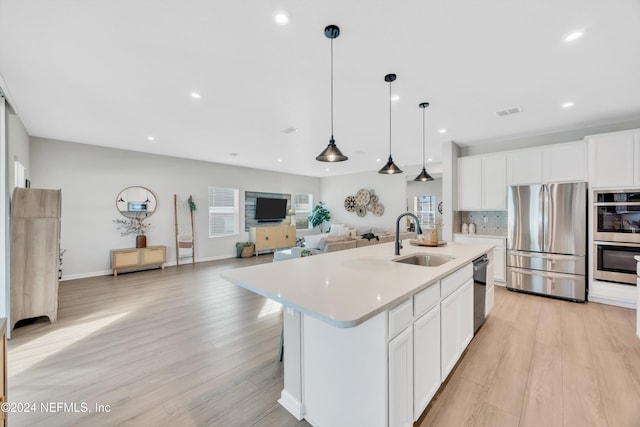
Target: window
{"x":425,"y":209}
{"x":302,"y":206}
{"x":18,"y":174}
{"x":223,"y":212}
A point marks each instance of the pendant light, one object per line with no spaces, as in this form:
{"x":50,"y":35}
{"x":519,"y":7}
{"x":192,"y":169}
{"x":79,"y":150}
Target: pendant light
{"x":390,"y":167}
{"x":331,"y":153}
{"x":424,"y":175}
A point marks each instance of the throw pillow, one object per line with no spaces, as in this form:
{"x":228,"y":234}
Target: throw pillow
{"x":343,"y":231}
{"x":313,"y":241}
{"x":333,"y":231}
{"x":300,"y":242}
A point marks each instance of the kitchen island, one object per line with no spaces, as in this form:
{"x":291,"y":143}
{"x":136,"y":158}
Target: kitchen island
{"x":368,"y":340}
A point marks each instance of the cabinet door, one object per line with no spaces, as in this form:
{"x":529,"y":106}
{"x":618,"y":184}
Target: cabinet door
{"x":449,"y":331}
{"x":401,"y":380}
{"x":469,"y":183}
{"x":499,"y":264}
{"x":565,"y":163}
{"x":465,"y":315}
{"x":153,"y":256}
{"x":265,"y":238}
{"x":524,"y":167}
{"x":494,"y":182}
{"x":286,"y":236}
{"x":122,"y":259}
{"x":611,"y":160}
{"x":426,"y":359}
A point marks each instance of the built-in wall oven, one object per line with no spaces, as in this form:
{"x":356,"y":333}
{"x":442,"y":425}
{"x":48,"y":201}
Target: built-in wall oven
{"x":616,"y":235}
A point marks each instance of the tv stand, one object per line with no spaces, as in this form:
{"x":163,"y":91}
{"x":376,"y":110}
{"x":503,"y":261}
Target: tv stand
{"x":273,"y":237}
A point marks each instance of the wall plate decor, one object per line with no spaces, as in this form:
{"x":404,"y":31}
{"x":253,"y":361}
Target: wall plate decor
{"x":362,"y":197}
{"x":350,"y":203}
{"x":361,"y":211}
{"x":374,"y":198}
{"x":440,"y":208}
{"x":378,"y":209}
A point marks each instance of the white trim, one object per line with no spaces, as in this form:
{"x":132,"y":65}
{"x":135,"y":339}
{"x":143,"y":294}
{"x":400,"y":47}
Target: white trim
{"x":292,"y":405}
{"x":613,"y":294}
{"x":5,"y":294}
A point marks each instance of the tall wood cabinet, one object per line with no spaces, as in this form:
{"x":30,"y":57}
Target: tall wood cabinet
{"x":272,"y":238}
{"x":35,"y":253}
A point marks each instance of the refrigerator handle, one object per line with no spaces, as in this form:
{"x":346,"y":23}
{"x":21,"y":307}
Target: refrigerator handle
{"x":547,"y":209}
{"x":542,"y":218}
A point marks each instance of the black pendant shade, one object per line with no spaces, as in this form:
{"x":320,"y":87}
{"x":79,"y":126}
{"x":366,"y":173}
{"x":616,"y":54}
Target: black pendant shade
{"x":331,"y":153}
{"x":390,"y":168}
{"x":424,"y":175}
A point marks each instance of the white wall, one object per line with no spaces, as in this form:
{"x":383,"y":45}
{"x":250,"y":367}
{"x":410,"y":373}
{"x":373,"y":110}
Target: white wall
{"x":91,"y":177}
{"x":18,"y":148}
{"x":391,"y":191}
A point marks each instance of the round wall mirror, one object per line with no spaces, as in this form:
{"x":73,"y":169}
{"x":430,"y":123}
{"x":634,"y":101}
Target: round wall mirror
{"x":136,"y":202}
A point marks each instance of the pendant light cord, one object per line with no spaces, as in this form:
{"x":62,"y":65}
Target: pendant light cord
{"x":332,"y":89}
{"x":389,"y":119}
{"x":423,"y":143}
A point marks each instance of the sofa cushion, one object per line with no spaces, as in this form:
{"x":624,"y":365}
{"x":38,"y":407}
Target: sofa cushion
{"x":343,"y":231}
{"x":333,"y":231}
{"x":313,"y":241}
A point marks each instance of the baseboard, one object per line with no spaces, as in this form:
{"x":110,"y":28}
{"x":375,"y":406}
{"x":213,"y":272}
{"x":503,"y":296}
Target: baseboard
{"x":291,"y":404}
{"x":167,"y":264}
{"x":613,"y":294}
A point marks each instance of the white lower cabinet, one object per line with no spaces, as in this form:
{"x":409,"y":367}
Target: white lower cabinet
{"x":401,"y":380}
{"x":426,"y":359}
{"x":456,"y":329}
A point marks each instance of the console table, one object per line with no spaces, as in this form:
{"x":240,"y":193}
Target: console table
{"x":272,"y":238}
{"x":132,"y":259}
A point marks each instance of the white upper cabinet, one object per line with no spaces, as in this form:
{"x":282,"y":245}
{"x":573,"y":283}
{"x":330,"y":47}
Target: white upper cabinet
{"x":552,"y":163}
{"x":482,"y":182}
{"x":565,"y":163}
{"x":614,"y":159}
{"x":524,"y":167}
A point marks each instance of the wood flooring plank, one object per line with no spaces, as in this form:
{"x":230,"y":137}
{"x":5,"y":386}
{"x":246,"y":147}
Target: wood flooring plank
{"x":463,"y":405}
{"x":543,"y":401}
{"x":490,"y":416}
{"x":582,"y":402}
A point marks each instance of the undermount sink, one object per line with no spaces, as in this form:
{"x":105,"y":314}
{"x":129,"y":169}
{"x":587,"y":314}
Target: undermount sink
{"x":425,"y":260}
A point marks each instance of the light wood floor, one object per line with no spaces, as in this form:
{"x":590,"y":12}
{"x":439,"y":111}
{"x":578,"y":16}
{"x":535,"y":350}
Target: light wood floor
{"x":182,"y":347}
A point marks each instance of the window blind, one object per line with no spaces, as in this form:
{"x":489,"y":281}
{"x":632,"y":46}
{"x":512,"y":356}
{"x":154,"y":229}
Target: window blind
{"x":223,"y":211}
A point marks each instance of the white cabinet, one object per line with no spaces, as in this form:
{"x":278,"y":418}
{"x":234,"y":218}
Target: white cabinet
{"x":456,"y":326}
{"x":499,"y":253}
{"x":552,"y":163}
{"x":614,"y":159}
{"x":401,"y":380}
{"x":482,"y":182}
{"x":426,"y":357}
{"x":469,"y":183}
{"x":524,"y":167}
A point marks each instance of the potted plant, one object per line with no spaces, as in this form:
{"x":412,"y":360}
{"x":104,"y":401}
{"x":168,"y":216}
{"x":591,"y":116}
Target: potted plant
{"x":134,"y":226}
{"x":245,"y":249}
{"x":319,"y":215}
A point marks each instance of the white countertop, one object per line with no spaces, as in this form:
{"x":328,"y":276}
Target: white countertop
{"x":347,"y":287}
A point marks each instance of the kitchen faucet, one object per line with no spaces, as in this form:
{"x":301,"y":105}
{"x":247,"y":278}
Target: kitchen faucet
{"x":418,"y":229}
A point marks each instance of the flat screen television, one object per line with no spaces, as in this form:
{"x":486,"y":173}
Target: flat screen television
{"x":137,"y":207}
{"x":270,"y":209}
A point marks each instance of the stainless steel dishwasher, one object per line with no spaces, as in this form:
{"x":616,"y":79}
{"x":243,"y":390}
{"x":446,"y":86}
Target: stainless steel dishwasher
{"x":479,"y":290}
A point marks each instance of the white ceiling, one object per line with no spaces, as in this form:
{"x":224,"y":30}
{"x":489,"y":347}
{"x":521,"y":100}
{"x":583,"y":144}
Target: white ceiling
{"x":112,"y":73}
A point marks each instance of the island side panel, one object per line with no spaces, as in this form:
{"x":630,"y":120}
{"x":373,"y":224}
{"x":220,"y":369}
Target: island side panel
{"x":291,"y":396}
{"x":345,"y":373}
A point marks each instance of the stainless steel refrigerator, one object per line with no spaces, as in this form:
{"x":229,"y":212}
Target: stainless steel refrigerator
{"x":547,"y":242}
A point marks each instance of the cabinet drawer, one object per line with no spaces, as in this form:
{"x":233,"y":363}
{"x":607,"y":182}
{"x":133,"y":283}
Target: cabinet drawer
{"x":400,"y":317}
{"x":125,"y":259}
{"x":455,"y":280}
{"x":426,"y":299}
{"x":153,"y":256}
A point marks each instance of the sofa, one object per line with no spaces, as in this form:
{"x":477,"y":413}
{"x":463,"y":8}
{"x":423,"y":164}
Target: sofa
{"x":341,"y":237}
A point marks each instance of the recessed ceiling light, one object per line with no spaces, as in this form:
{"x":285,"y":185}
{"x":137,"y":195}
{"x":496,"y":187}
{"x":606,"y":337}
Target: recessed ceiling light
{"x":281,"y":17}
{"x":195,"y":95}
{"x":151,"y":138}
{"x":442,"y":131}
{"x":568,"y":104}
{"x":327,"y":169}
{"x":378,"y":160}
{"x":573,"y":36}
{"x":395,"y":98}
{"x":279,"y":160}
{"x":429,"y":160}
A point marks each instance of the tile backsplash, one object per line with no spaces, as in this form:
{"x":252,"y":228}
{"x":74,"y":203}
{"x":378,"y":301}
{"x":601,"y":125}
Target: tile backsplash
{"x":487,"y":222}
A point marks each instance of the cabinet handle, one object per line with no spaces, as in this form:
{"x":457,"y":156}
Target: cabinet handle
{"x":286,"y":236}
{"x":266,"y":238}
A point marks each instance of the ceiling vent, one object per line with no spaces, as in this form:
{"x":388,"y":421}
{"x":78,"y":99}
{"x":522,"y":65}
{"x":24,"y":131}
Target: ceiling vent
{"x":509,"y":111}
